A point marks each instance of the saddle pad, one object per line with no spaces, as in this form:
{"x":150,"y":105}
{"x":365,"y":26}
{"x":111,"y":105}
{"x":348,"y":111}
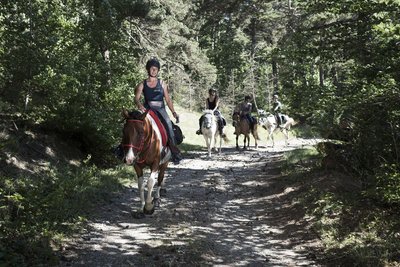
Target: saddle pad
{"x":163,"y":132}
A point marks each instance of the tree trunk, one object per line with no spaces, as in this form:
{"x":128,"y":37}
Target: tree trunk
{"x":275,"y":75}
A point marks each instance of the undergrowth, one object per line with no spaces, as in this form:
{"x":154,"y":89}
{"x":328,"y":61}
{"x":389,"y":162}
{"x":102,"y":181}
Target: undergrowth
{"x":354,"y":229}
{"x":37,"y":212}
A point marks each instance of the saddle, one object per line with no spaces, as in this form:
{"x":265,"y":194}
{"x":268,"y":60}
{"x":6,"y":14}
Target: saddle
{"x":160,"y":126}
{"x":283,"y":118}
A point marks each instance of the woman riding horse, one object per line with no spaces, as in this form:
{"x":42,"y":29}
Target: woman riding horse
{"x":155,"y":91}
{"x":244,"y":109}
{"x":276,"y":110}
{"x":244,"y":123}
{"x":212,"y":103}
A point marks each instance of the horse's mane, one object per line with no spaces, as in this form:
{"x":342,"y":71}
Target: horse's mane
{"x":136,"y":114}
{"x":208,"y":111}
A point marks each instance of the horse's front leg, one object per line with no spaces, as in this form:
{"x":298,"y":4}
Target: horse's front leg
{"x":141,"y":193}
{"x":271,"y":137}
{"x":161,"y":191}
{"x":220,"y":143}
{"x":149,"y":205}
{"x":208,"y":143}
{"x":244,"y":142}
{"x":139,"y":173}
{"x":212,"y":145}
{"x":237,"y":142}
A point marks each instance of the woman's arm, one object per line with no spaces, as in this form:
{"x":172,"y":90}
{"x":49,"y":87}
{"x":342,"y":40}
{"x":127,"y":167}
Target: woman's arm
{"x":216,"y":103}
{"x":138,"y":93}
{"x":168,"y":99}
{"x":278,"y":106}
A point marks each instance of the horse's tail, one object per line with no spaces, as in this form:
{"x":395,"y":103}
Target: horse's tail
{"x":225,"y":138}
{"x":292,"y":121}
{"x":255,"y":133}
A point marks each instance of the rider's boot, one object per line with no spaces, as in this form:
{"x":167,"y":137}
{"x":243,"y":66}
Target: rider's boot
{"x":176,"y":154}
{"x":198,"y":132}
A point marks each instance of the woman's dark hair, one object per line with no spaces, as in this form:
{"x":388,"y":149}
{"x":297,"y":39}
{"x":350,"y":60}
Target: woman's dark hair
{"x":247,"y":97}
{"x":152,"y":62}
{"x":212,"y":90}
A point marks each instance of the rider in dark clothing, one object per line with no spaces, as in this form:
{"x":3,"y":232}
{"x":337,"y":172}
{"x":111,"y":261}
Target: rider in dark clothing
{"x":245,"y":109}
{"x":155,"y":91}
{"x":276,"y":109}
{"x":212,"y":103}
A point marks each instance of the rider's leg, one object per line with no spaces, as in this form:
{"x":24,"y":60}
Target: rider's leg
{"x":200,"y":122}
{"x":279,"y":119}
{"x":220,"y":125}
{"x":176,"y":153}
{"x":250,"y":120}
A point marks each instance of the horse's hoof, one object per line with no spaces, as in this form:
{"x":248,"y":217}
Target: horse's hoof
{"x":156,"y":202}
{"x":148,"y":212}
{"x":137,"y":215}
{"x":163,"y":192}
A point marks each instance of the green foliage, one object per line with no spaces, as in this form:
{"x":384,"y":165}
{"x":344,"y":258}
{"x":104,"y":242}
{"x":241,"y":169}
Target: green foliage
{"x":35,"y":209}
{"x":354,"y":231}
{"x":388,"y":184}
{"x":376,"y":132}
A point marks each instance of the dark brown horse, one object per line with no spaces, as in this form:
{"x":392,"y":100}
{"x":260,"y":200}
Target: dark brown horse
{"x":242,"y":126}
{"x":143,"y":146}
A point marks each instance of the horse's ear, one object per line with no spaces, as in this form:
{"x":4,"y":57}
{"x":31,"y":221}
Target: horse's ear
{"x":125,"y":113}
{"x":143,"y":116}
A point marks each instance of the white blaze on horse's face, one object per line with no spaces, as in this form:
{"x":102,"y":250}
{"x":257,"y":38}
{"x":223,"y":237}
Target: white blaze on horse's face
{"x":208,"y":120}
{"x":130,"y":156}
{"x":262,"y":120}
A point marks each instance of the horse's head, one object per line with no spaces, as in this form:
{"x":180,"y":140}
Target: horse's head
{"x":235,"y":118}
{"x":208,"y":118}
{"x":261,"y":112}
{"x":133,"y":134}
{"x":262,"y":121}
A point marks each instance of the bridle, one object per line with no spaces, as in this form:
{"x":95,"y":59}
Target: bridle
{"x":209,"y":117}
{"x":140,"y":147}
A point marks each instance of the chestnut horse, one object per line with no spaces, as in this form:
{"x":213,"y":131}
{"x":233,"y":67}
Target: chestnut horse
{"x":143,"y":147}
{"x":242,"y":126}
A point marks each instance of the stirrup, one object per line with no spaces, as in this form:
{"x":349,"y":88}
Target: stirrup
{"x":176,"y":158}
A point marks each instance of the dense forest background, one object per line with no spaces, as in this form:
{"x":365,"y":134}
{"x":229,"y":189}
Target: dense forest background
{"x":71,"y":65}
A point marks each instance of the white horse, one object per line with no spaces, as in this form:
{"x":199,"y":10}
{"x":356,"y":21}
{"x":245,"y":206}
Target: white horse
{"x":209,"y":129}
{"x":270,"y":124}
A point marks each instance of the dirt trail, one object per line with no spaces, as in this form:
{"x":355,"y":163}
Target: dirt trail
{"x":232,"y":210}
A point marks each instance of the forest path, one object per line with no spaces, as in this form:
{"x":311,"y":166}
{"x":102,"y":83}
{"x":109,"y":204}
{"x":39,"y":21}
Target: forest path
{"x":235,"y":209}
